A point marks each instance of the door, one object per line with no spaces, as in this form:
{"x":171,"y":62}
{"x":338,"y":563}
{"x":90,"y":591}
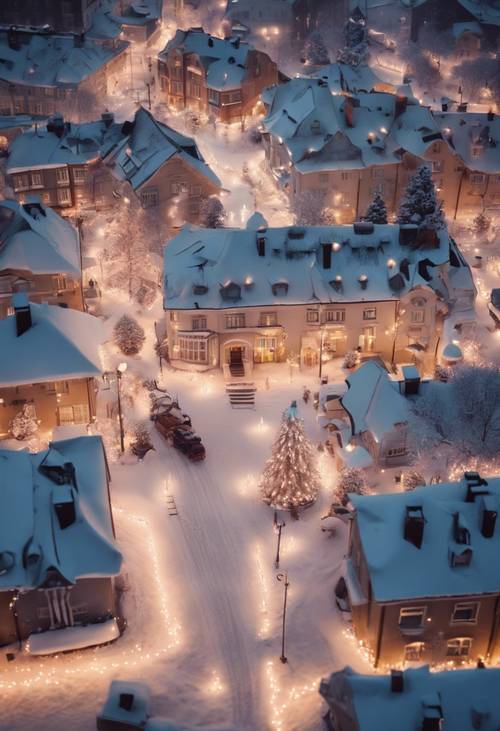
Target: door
{"x":367,"y":339}
{"x":236,"y":354}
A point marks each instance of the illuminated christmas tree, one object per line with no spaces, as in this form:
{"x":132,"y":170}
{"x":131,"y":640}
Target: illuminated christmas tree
{"x":291,"y":480}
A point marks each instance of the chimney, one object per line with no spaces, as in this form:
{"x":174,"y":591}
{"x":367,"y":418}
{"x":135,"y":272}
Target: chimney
{"x":78,"y":40}
{"x":261,"y":244}
{"x":236,"y":42}
{"x":363,"y":228}
{"x":476,"y":486}
{"x":397,"y":681}
{"x":22,"y":312}
{"x":363,"y":281}
{"x":432,"y":712}
{"x":63,"y":500}
{"x":108,"y":118}
{"x":400,"y":105}
{"x":126,"y":701}
{"x":444,"y":106}
{"x":349,"y":111}
{"x":13,"y":39}
{"x":411,"y":380}
{"x":327,"y":255}
{"x":414,"y":525}
{"x":55,"y":124}
{"x":491,"y":115}
{"x":488,"y":516}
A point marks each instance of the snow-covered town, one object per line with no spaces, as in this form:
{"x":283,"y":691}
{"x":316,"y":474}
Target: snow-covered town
{"x":250,"y":365}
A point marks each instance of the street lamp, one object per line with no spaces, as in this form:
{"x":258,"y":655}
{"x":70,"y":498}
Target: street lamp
{"x":321,"y":343}
{"x":120,"y":370}
{"x":284,"y":578}
{"x":278,"y":525}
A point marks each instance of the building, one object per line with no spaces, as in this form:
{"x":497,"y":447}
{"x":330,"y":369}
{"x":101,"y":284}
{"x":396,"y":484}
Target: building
{"x":39,"y":255}
{"x":422,"y":575}
{"x":343,"y":148}
{"x":455,"y":13}
{"x":239,"y":297}
{"x":378,"y":414}
{"x":41,"y":73}
{"x":94,"y":164}
{"x":73,"y":16}
{"x":221,"y":77}
{"x":11,"y":126}
{"x":50,"y":360}
{"x":462,"y":700}
{"x":59,"y":557}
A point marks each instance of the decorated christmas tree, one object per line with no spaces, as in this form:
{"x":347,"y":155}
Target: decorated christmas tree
{"x":24,"y":424}
{"x":376,"y":211}
{"x":420,"y":204}
{"x":291,"y":480}
{"x":355,"y":50}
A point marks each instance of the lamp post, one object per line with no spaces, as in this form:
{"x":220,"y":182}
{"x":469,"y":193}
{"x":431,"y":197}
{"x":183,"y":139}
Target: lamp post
{"x":284,"y":578}
{"x":278,"y":525}
{"x":321,"y":342}
{"x":120,"y":370}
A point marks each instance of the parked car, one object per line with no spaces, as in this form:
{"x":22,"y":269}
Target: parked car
{"x":187,"y":442}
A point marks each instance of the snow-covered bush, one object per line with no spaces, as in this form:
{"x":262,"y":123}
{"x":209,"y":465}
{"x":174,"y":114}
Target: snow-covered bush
{"x":481,"y":224}
{"x":141,"y":439}
{"x":315,"y":50}
{"x":412,"y":479}
{"x":442,"y":373}
{"x":24,"y":425}
{"x":351,"y":479}
{"x":377,"y":210}
{"x":129,"y":335}
{"x":420,"y":204}
{"x":310,"y":209}
{"x":351,"y":359}
{"x":212,"y":213}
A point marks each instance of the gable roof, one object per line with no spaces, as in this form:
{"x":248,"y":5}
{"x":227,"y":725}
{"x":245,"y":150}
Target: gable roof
{"x":224,"y":59}
{"x":213,"y":258}
{"x":399,"y":570}
{"x":61,"y":344}
{"x":34,"y":238}
{"x":369,"y":702}
{"x":29,"y":524}
{"x":149,"y":146}
{"x":373,"y":401}
{"x":474,"y":137}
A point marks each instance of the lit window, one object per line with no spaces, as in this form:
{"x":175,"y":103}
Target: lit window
{"x":418,"y":315}
{"x":79,"y":175}
{"x":268,"y":319}
{"x":63,"y":196}
{"x":149,"y":198}
{"x":312,"y":316}
{"x":459,"y":647}
{"x":199,"y":323}
{"x":335,"y":316}
{"x":36,"y":180}
{"x":370,"y":314}
{"x":62,"y":176}
{"x":413,"y":651}
{"x":235,"y":321}
{"x":193,"y":349}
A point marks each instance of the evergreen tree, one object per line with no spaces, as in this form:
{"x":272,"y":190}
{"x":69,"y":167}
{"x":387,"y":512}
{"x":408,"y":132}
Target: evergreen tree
{"x":290,"y":479}
{"x":212,"y":213}
{"x":24,"y":425}
{"x":129,"y":335}
{"x":315,"y":50}
{"x":351,"y":479}
{"x":481,"y":224}
{"x":376,"y":211}
{"x":420,"y":204}
{"x":355,"y":51}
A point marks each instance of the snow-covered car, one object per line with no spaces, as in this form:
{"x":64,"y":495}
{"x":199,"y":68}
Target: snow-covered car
{"x":187,"y":442}
{"x":342,"y":596}
{"x":494,"y":306}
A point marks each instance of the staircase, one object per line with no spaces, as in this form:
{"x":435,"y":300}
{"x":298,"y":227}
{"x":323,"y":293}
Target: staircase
{"x":241,"y":395}
{"x":237,"y":370}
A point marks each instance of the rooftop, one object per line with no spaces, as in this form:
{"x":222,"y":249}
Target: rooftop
{"x":398,"y":569}
{"x":466,"y":699}
{"x":33,"y":238}
{"x":218,"y":268}
{"x":35,"y":536}
{"x":66,"y":344}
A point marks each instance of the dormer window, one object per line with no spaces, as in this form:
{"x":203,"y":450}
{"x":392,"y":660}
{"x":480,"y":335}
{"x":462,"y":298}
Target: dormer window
{"x":476,"y":150}
{"x":460,"y":530}
{"x":461,"y":557}
{"x":315,"y":127}
{"x":280,"y":289}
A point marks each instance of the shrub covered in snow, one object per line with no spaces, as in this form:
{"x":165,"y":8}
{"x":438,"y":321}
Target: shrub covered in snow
{"x":351,"y":359}
{"x":351,"y":479}
{"x":412,"y":479}
{"x":377,"y":210}
{"x":141,"y":439}
{"x":315,"y":50}
{"x":129,"y":335}
{"x":310,"y":209}
{"x":24,"y":425}
{"x":212,"y":213}
{"x":481,"y":224}
{"x":420,"y":204}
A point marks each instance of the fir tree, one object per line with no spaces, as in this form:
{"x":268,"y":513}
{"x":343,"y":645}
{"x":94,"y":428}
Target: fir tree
{"x":351,"y":479}
{"x":481,"y":224}
{"x":376,"y":211}
{"x":291,"y":480}
{"x":355,"y":51}
{"x":24,"y":425}
{"x":212,"y":213}
{"x":420,"y":204}
{"x":315,"y":50}
{"x":129,"y":335}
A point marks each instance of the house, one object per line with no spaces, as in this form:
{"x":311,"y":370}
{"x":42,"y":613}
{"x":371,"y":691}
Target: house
{"x":92,"y":165}
{"x":239,"y":297}
{"x":222,"y":77}
{"x":50,"y":360}
{"x":42,"y":72}
{"x":39,"y":255}
{"x":12,"y":125}
{"x":343,"y":147}
{"x":422,"y":573}
{"x":74,"y":16}
{"x":378,"y":413}
{"x":58,"y":555}
{"x":440,"y":18}
{"x":462,"y":700}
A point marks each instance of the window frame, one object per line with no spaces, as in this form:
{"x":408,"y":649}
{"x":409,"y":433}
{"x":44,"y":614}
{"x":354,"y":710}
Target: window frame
{"x":410,"y":612}
{"x":310,"y":313}
{"x":334,"y":311}
{"x":369,"y":309}
{"x":272,"y":315}
{"x":238,"y":318}
{"x":460,"y":643}
{"x":199,"y":322}
{"x":460,"y":606}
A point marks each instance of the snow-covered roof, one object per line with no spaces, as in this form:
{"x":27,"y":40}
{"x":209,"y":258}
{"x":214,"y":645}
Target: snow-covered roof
{"x":78,"y":144}
{"x":200,"y":265}
{"x":461,"y":695}
{"x":54,"y":60}
{"x":474,"y":137}
{"x":373,"y":401}
{"x":399,"y":570}
{"x":342,"y":77}
{"x":61,"y":344}
{"x":485,"y":11}
{"x":12,"y":121}
{"x":29,"y":523}
{"x":223,"y":59}
{"x":148,"y":146}
{"x":472,"y":26}
{"x":34,"y":238}
{"x":323,"y":130}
